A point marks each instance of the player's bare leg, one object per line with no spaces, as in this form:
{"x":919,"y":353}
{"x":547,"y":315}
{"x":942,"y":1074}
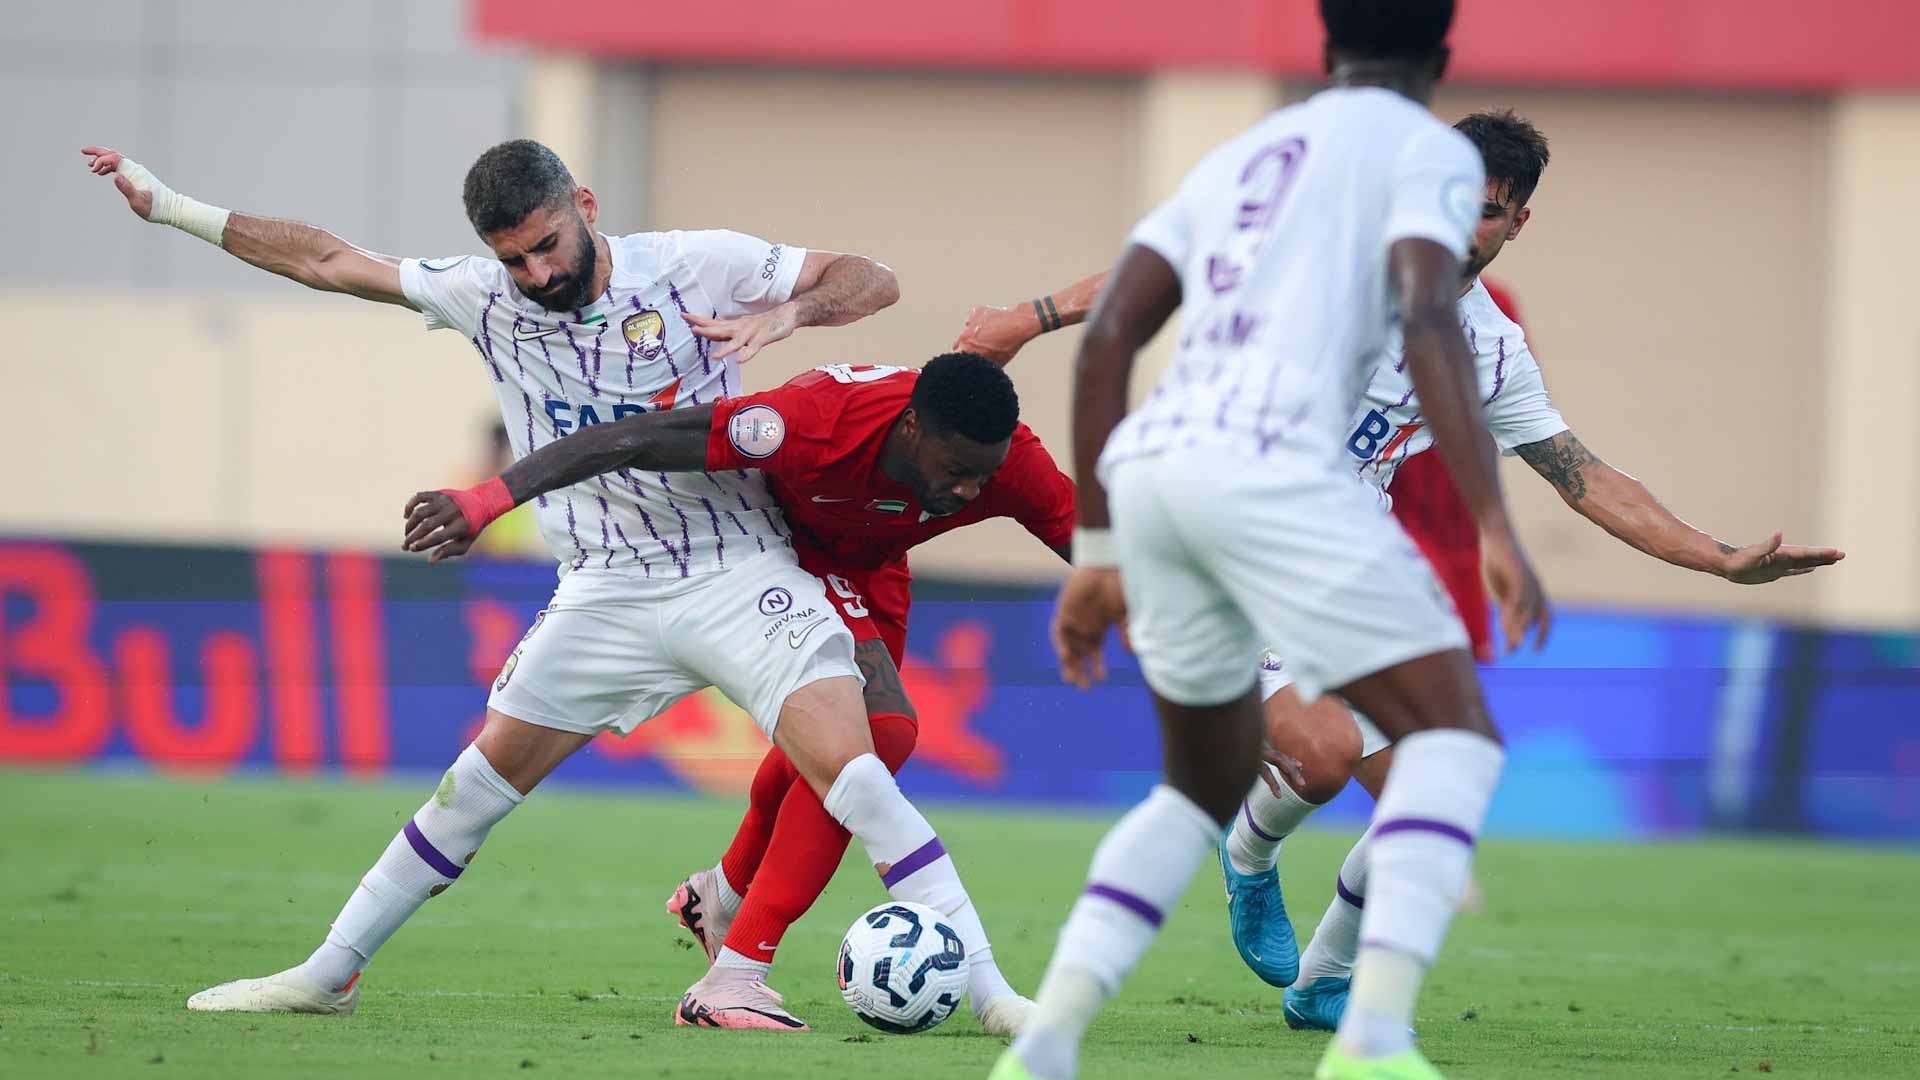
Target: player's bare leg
{"x":1323,"y":746}
{"x":824,"y":731}
{"x":1139,"y":871}
{"x":1419,"y":849}
{"x":489,"y":779}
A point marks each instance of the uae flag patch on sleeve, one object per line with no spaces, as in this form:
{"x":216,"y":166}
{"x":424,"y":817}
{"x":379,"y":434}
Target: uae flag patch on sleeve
{"x":888,"y":506}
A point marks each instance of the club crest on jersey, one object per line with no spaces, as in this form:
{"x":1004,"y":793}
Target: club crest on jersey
{"x":757,"y":431}
{"x":646,"y":331}
{"x":888,"y":506}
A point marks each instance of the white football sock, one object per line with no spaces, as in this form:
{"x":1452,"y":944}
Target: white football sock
{"x":912,"y":862}
{"x":728,"y":900}
{"x":1138,"y":873}
{"x":1265,"y":819}
{"x":1421,"y":852}
{"x":1380,"y":1008}
{"x":1336,"y":941}
{"x":420,"y":862}
{"x":730,"y":964}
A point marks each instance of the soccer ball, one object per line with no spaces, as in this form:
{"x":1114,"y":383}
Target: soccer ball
{"x":902,"y":968}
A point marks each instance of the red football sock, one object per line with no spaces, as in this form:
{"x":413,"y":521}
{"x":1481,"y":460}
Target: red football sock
{"x":804,"y":851}
{"x":770,"y":783}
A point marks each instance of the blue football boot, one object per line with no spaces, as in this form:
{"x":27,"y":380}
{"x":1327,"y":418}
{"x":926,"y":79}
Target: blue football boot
{"x":1317,"y":1005}
{"x":1261,"y":930}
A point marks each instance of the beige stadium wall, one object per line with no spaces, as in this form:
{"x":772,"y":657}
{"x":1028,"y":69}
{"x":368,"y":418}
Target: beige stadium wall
{"x":245,"y":417}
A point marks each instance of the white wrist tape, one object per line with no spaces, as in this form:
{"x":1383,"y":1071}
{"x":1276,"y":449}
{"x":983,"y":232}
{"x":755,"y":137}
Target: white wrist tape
{"x":1094,"y":547}
{"x":189,"y":215}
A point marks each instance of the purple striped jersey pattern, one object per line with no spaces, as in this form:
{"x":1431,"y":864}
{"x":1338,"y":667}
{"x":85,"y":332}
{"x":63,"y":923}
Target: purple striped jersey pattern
{"x":553,"y":375}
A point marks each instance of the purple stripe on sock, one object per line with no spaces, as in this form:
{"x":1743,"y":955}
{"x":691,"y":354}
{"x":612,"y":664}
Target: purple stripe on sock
{"x":905,"y":868}
{"x":1257,"y":830}
{"x":1132,"y":903}
{"x":1351,"y":897}
{"x":1414,"y":824}
{"x":428,"y":853}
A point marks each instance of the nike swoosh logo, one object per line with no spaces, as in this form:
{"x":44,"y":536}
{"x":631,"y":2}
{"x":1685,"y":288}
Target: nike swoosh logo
{"x":520,"y":333}
{"x":764,"y":947}
{"x":819,"y":499}
{"x":795,"y":637}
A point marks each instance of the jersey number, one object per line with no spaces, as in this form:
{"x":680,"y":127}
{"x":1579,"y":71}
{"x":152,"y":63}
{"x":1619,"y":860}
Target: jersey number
{"x":853,"y":604}
{"x":850,"y":373}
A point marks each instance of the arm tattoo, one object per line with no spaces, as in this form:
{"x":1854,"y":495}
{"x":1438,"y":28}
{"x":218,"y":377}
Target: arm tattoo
{"x":884,"y":692}
{"x":1560,"y":459}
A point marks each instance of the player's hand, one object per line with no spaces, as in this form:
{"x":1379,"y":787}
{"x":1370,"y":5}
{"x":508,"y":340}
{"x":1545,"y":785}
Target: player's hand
{"x":1523,"y":603}
{"x":744,"y":335}
{"x":996,"y":333}
{"x":436,"y":525}
{"x":1285,"y":766}
{"x":105,"y":162}
{"x":1090,"y":604}
{"x":1770,"y":560}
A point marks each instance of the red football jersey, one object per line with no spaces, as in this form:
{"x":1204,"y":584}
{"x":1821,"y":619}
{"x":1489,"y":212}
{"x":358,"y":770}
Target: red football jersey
{"x":817,"y":438}
{"x":1430,"y":508}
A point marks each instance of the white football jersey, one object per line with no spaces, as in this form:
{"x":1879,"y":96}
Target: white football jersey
{"x":1388,"y":428}
{"x":628,"y":351}
{"x":1280,"y":238}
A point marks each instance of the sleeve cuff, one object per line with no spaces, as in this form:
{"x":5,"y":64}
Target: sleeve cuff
{"x":788,"y":275}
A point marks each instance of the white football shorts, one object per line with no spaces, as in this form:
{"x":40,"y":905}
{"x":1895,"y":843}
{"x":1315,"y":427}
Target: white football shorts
{"x":1220,"y":555}
{"x":615,"y":648}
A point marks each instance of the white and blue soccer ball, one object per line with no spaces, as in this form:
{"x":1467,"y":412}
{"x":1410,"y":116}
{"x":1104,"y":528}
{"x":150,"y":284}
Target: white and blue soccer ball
{"x":902,"y":968}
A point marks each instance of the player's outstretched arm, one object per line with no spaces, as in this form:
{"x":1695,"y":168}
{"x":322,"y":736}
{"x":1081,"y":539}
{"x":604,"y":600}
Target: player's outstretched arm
{"x":833,"y":289}
{"x":313,"y":257}
{"x":1623,"y":506}
{"x":997,"y":333}
{"x":1426,"y":277}
{"x":447,"y":522}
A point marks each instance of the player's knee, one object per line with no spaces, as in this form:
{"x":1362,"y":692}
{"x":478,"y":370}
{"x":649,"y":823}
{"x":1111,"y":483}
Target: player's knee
{"x":1322,"y":737}
{"x":823,"y":727}
{"x":1326,"y":764}
{"x":863,"y":788}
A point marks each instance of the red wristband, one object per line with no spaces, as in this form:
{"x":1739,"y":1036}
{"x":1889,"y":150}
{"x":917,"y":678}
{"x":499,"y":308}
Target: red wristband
{"x":481,"y":503}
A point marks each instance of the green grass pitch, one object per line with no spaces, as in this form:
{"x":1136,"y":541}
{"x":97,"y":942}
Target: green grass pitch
{"x":125,"y":893}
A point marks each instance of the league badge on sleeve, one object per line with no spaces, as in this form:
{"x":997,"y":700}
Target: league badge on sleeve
{"x":757,"y":431}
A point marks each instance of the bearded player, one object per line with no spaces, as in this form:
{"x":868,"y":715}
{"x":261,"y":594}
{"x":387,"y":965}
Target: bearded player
{"x":1387,"y":445}
{"x":668,"y":583}
{"x":867,"y":462}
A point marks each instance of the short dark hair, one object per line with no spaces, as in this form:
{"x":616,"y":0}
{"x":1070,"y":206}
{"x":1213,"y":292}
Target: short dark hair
{"x":966,"y":394}
{"x":1514,"y":150}
{"x":1387,"y":29}
{"x":512,"y":180}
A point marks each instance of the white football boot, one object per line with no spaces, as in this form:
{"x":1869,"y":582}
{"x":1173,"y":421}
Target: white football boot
{"x":1005,"y":1015}
{"x":288,"y":991}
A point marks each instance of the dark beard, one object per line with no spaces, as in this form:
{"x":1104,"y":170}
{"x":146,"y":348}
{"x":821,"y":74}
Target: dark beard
{"x":579,"y":281}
